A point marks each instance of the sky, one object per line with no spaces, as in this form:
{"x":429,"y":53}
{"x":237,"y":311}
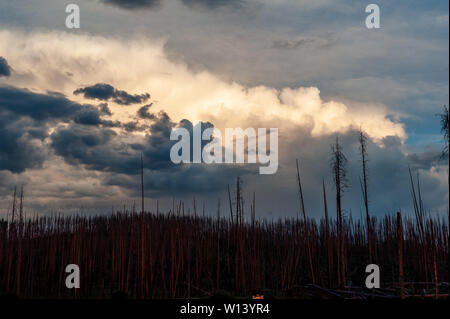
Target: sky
{"x":78,"y":107}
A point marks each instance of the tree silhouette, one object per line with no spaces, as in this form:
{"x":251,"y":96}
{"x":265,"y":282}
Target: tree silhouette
{"x":338,"y":163}
{"x":363,"y":182}
{"x":444,"y":130}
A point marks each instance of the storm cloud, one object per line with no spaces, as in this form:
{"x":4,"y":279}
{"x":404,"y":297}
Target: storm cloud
{"x":5,"y":69}
{"x":20,"y":143}
{"x":25,"y":120}
{"x":39,"y":106}
{"x":154,"y":4}
{"x":101,"y":148}
{"x":143,"y":112}
{"x":133,"y":4}
{"x":105,"y":92}
{"x":214,"y":4}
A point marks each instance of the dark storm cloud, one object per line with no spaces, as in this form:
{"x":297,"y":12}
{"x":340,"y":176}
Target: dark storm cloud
{"x":5,"y":69}
{"x":104,"y":109}
{"x":20,"y":143}
{"x":157,"y":145}
{"x":100,"y":91}
{"x":36,"y":106}
{"x":154,"y":4}
{"x":133,"y":4}
{"x":50,"y":106}
{"x":90,"y":145}
{"x":88,"y":116}
{"x":214,"y":4}
{"x":105,"y":92}
{"x":100,"y":148}
{"x":134,"y":127}
{"x":25,"y":119}
{"x":143,"y":112}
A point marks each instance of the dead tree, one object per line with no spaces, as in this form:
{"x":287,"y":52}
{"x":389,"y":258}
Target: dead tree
{"x":338,"y":163}
{"x":445,"y":130}
{"x":14,"y":205}
{"x":21,"y":204}
{"x":238,"y":202}
{"x":445,"y":118}
{"x":142,"y":268}
{"x":305,"y":225}
{"x":327,"y":234}
{"x":142,"y":185}
{"x":401,"y":279}
{"x":253,"y":210}
{"x":420,"y":220}
{"x":363,"y":150}
{"x":231,"y":205}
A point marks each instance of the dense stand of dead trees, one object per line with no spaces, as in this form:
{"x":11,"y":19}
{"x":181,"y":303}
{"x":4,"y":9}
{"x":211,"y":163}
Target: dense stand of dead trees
{"x":175,"y":255}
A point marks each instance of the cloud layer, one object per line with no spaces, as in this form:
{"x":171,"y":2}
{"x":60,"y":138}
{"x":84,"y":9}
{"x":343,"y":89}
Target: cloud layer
{"x":104,"y":142}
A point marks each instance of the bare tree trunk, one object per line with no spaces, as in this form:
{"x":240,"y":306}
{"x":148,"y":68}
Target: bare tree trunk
{"x":400,"y":255}
{"x":142,"y":253}
{"x":14,"y":205}
{"x":142,"y":185}
{"x":231,"y":206}
{"x":363,"y":149}
{"x":253,"y":211}
{"x":338,"y":162}
{"x":436,"y":284}
{"x":327,"y":236}
{"x":305,"y":225}
{"x":433,"y":251}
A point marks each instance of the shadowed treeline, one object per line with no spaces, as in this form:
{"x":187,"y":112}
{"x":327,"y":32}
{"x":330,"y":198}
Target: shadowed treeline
{"x":173,"y":255}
